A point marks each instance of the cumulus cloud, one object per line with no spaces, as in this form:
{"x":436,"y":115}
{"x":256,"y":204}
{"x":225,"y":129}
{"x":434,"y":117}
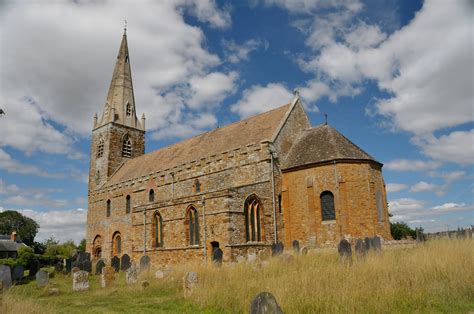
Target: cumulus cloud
{"x":423,"y":186}
{"x":259,"y":99}
{"x":449,"y":176}
{"x":395,"y":187}
{"x":412,"y":165}
{"x":208,"y":11}
{"x":211,"y":89}
{"x":235,"y":53}
{"x":11,"y":165}
{"x":456,"y":147}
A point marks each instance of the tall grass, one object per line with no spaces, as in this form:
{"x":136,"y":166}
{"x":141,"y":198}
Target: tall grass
{"x":437,"y":276}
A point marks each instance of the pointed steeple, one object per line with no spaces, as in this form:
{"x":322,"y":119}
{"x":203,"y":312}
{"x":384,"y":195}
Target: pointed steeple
{"x":120,"y":104}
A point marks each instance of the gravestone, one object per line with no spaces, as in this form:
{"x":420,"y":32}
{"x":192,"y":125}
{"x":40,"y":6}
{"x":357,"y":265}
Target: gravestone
{"x":80,"y":281}
{"x":68,"y":265}
{"x":33,"y":267}
{"x":42,"y":278}
{"x":296,"y":246}
{"x":344,"y":250}
{"x":107,"y":277}
{"x":75,"y":269}
{"x":5,"y":276}
{"x":98,"y":267}
{"x":144,"y":263}
{"x":132,"y":274}
{"x":159,"y":274}
{"x":190,"y":282}
{"x":17,"y":272}
{"x":367,"y":244}
{"x":144,"y":285}
{"x":115,"y":263}
{"x":86,"y":266}
{"x":376,"y":243}
{"x":217,"y":255}
{"x":360,"y":249}
{"x":265,"y":303}
{"x":277,"y":248}
{"x":58,"y":267}
{"x":125,"y":262}
{"x":252,"y":257}
{"x":304,"y":250}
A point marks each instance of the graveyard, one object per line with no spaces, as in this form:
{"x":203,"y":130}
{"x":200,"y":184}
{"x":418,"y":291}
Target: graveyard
{"x":426,"y":277}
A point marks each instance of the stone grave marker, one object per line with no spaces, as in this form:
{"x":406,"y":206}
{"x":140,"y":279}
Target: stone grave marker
{"x":277,"y":248}
{"x":58,"y":267}
{"x":125,"y":262}
{"x":251,"y":258}
{"x":75,"y":269}
{"x":159,"y":274}
{"x":132,"y":274}
{"x":115,"y":263}
{"x":144,"y":263}
{"x":376,"y":242}
{"x":107,"y":277}
{"x":217,"y":255}
{"x":367,"y":244}
{"x":344,"y":250}
{"x":296,"y":246}
{"x":360,"y":249}
{"x":190,"y":282}
{"x":98,"y":267}
{"x":80,"y":281}
{"x":42,"y":278}
{"x":17,"y":272}
{"x":5,"y":276}
{"x":87,"y":266}
{"x":265,"y":303}
{"x":304,"y":250}
{"x":68,"y":265}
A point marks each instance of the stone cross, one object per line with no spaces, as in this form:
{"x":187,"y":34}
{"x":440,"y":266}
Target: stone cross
{"x":80,"y":281}
{"x":265,"y":303}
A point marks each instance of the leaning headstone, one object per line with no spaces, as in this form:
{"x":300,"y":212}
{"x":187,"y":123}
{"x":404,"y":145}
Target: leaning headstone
{"x":190,"y":282}
{"x":265,"y":303}
{"x":125,"y":262}
{"x":144,"y":285}
{"x":296,"y":246}
{"x":107,"y":277}
{"x":217,"y":255}
{"x":98,"y":267}
{"x":144,"y":263}
{"x":80,"y":281}
{"x":115,"y":263}
{"x":360,"y":248}
{"x":132,"y":274}
{"x":367,"y":244}
{"x":344,"y":250}
{"x":42,"y":278}
{"x":5,"y":276}
{"x":17,"y":273}
{"x":376,"y":243}
{"x":304,"y":250}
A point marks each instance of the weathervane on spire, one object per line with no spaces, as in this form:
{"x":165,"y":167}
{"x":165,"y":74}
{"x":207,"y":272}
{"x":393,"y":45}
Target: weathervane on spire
{"x":125,"y":26}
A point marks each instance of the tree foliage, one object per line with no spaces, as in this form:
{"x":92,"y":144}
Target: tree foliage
{"x":82,"y":246}
{"x":25,"y":227}
{"x":57,"y":251}
{"x":401,"y":230}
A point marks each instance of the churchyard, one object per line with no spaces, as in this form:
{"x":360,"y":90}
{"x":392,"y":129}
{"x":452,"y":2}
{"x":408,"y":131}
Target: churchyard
{"x":427,"y":277}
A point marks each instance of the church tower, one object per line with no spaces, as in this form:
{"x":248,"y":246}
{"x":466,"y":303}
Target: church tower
{"x":117,"y":135}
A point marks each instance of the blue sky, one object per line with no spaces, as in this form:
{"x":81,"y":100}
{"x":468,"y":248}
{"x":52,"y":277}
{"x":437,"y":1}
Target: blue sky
{"x":395,"y":77}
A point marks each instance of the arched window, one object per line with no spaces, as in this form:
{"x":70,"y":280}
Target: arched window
{"x":252,"y":210}
{"x":97,"y":246}
{"x":108,"y":208}
{"x":100,"y":148}
{"x":151,"y":196}
{"x":128,"y":204}
{"x":127,"y":147}
{"x":157,"y":230}
{"x":197,"y":186}
{"x":129,"y":110}
{"x":116,"y":244}
{"x":193,"y":226}
{"x":327,"y":206}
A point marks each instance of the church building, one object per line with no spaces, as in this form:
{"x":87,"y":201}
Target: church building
{"x":242,"y":187}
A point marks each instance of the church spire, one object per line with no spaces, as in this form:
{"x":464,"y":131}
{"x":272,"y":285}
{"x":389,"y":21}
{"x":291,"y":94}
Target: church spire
{"x":120,"y":104}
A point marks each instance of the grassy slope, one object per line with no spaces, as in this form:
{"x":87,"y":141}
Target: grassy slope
{"x":435,"y":277}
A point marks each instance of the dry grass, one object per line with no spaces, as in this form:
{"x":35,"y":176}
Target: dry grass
{"x":437,"y":276}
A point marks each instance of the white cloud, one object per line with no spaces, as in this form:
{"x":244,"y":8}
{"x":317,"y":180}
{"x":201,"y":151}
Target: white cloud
{"x":211,"y":89}
{"x":411,"y":165}
{"x":235,"y":53}
{"x":208,"y":11}
{"x":395,"y":187}
{"x":423,"y":186}
{"x":196,"y":124}
{"x":449,"y":176}
{"x":456,"y":147}
{"x":11,"y":165}
{"x":306,"y":6}
{"x":259,"y":99}
{"x":365,"y":36}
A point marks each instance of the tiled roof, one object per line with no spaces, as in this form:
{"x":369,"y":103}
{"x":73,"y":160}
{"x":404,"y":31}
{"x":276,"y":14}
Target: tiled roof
{"x":10,"y":246}
{"x":322,"y":144}
{"x":252,"y":130}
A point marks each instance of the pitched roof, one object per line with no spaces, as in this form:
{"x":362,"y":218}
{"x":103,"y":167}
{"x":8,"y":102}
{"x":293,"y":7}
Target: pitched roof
{"x":322,"y":144}
{"x":10,"y":246}
{"x":249,"y":131}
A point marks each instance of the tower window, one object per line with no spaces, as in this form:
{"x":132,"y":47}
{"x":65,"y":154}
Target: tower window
{"x":127,"y":147}
{"x":100,"y":148}
{"x":158,"y":230}
{"x":193,"y":226}
{"x":327,"y":206}
{"x":129,"y":110}
{"x":128,"y":204}
{"x":252,"y":218}
{"x":151,"y":196}
{"x":108,"y":208}
{"x":197,"y":186}
{"x":116,"y":244}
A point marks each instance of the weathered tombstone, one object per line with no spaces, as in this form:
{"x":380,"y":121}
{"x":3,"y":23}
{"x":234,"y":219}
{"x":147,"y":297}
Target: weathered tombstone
{"x":190,"y":282}
{"x":5,"y":276}
{"x":68,"y":265}
{"x":132,"y":274}
{"x":42,"y":278}
{"x":80,"y":281}
{"x":144,"y":263}
{"x":252,"y":257}
{"x":265,"y":303}
{"x":367,"y":244}
{"x":296,"y":246}
{"x":360,"y":248}
{"x":125,"y":262}
{"x":217,"y":255}
{"x":144,"y":285}
{"x":75,"y":269}
{"x":277,"y":248}
{"x":86,"y":266}
{"x":115,"y":263}
{"x":107,"y":277}
{"x":344,"y":250}
{"x":17,"y":273}
{"x":376,"y":243}
{"x":98,"y":267}
{"x":304,"y":250}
